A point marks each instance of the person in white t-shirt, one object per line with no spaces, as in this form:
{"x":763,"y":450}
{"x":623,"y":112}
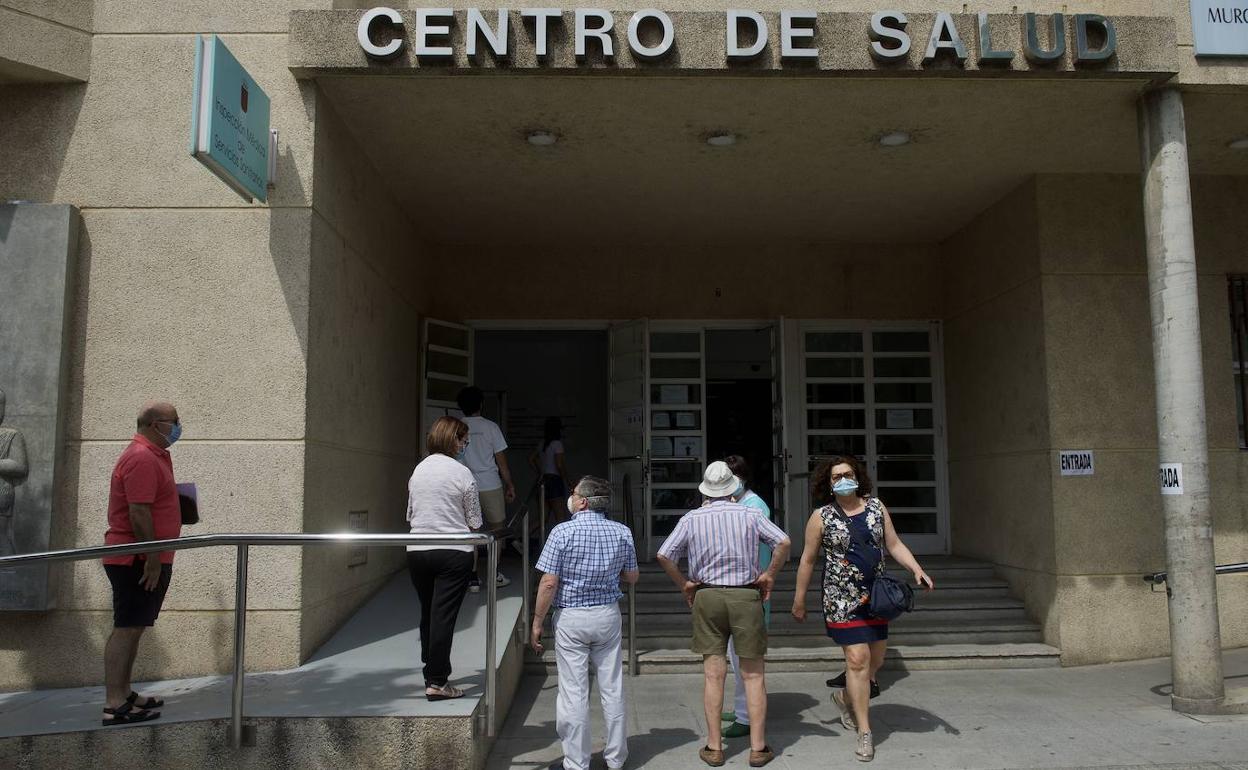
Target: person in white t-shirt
{"x":485,"y":457}
{"x":547,"y":461}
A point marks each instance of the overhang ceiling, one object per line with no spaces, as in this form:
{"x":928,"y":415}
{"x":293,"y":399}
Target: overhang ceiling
{"x":632,"y":163}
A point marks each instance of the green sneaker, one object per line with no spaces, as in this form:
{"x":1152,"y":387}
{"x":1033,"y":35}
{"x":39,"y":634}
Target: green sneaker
{"x":728,"y":716}
{"x":737,"y":730}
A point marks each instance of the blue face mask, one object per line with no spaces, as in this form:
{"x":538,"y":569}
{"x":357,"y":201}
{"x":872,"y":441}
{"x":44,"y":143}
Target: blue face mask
{"x":845,"y":486}
{"x":175,"y":433}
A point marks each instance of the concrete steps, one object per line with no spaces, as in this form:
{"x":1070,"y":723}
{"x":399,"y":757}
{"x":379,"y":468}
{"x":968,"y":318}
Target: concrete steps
{"x":969,"y":621}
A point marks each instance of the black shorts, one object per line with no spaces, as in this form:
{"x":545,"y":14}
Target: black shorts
{"x":133,"y":605}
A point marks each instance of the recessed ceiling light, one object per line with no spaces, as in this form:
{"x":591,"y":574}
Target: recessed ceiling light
{"x":1238,"y":144}
{"x":721,"y":139}
{"x":542,"y":138}
{"x":894,"y":139}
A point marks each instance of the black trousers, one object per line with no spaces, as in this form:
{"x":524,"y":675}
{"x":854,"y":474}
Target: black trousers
{"x":441,"y":580}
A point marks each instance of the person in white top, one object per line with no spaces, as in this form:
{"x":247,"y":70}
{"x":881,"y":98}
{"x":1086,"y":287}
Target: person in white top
{"x":441,"y":498}
{"x":547,"y":462}
{"x":485,"y":457}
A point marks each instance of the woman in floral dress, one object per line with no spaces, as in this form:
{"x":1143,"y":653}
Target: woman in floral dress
{"x":853,"y":530}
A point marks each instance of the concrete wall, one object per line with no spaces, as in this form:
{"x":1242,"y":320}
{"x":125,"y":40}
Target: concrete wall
{"x":45,"y":41}
{"x":1099,"y":357}
{"x":998,"y":408}
{"x":690,"y":281}
{"x":365,"y":291}
{"x":184,"y":292}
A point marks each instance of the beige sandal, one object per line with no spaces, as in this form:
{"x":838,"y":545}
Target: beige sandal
{"x":442,"y":692}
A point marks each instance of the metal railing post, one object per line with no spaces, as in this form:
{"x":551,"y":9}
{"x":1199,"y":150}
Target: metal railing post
{"x":524,"y":607}
{"x":633,"y":667}
{"x":541,"y":494}
{"x":491,"y":640}
{"x":240,"y":641}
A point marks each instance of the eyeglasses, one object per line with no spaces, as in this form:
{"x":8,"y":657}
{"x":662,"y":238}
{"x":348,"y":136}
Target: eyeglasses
{"x":171,"y":422}
{"x":845,"y":475}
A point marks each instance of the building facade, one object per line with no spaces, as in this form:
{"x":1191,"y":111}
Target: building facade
{"x":944,"y":246}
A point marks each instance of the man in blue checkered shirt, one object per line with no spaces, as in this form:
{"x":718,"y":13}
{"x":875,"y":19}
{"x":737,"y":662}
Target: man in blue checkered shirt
{"x":584,"y":561}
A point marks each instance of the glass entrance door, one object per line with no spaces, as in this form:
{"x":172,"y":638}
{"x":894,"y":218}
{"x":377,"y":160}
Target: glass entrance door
{"x":626,"y":429}
{"x":677,"y":423}
{"x":875,"y":393}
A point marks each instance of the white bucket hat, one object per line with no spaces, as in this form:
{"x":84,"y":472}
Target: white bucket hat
{"x":719,"y":480}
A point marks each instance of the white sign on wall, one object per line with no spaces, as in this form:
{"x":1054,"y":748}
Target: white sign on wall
{"x":1076,"y":462}
{"x":1171,"y":478}
{"x":1220,"y":27}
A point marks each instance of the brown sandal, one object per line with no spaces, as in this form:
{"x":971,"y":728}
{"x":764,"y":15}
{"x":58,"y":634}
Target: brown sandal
{"x":442,"y":692}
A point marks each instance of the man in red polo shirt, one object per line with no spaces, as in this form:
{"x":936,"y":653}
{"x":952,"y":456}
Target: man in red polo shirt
{"x":142,"y":505}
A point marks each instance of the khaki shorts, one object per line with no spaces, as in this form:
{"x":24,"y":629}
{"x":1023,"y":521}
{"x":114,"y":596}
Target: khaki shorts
{"x":719,"y":613}
{"x":493,"y":506}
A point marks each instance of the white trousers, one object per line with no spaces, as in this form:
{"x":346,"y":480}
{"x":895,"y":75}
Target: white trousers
{"x":585,"y":637}
{"x":738,"y":699}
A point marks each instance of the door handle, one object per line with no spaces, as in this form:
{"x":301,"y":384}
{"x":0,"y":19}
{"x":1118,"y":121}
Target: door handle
{"x":622,"y":458}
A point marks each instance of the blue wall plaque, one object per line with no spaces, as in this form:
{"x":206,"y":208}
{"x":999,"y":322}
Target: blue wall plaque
{"x":230,"y":120}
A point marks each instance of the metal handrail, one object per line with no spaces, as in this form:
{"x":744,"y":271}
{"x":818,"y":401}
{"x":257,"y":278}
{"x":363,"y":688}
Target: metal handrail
{"x":1158,"y":578}
{"x":243,"y":541}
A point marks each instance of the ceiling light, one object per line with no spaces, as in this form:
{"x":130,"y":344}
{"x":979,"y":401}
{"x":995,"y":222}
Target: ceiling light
{"x":542,"y":138}
{"x":721,"y":139}
{"x":894,"y":139}
{"x":1238,"y":144}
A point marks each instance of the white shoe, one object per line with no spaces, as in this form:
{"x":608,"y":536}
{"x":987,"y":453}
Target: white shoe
{"x":502,"y":580}
{"x":474,"y":586}
{"x":847,"y":716}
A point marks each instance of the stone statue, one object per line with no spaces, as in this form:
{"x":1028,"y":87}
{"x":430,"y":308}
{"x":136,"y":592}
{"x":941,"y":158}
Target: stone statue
{"x":13,"y":470}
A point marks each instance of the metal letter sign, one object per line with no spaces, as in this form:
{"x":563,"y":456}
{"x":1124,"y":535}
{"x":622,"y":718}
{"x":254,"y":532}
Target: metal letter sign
{"x":230,"y":121}
{"x":1220,"y":27}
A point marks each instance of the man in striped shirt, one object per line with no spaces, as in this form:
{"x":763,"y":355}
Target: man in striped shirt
{"x":726,"y":589}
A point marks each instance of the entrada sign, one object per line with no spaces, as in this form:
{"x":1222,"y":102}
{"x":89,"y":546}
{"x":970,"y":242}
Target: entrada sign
{"x":651,"y":36}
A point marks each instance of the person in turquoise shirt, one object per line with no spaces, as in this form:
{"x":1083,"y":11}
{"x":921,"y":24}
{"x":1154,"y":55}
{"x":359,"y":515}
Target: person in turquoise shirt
{"x":739,"y":716}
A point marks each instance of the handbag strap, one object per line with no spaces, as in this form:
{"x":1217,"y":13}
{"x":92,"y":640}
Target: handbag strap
{"x":836,"y":506}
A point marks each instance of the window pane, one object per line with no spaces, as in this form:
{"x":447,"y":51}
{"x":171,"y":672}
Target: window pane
{"x":900,"y":342}
{"x":675,"y":499}
{"x":662,"y":526}
{"x":903,"y":419}
{"x":675,"y":473}
{"x":834,"y":367}
{"x":905,"y":445}
{"x":675,"y":342}
{"x":836,"y":419}
{"x":448,"y":336}
{"x":906,"y":470}
{"x":835,"y":393}
{"x":908,"y":497}
{"x":833,"y":342}
{"x":448,"y":363}
{"x":675,"y":420}
{"x":675,"y":394}
{"x":903,"y":392}
{"x":442,"y":390}
{"x":903,"y":367}
{"x":836,"y":445}
{"x":676,"y":368}
{"x":914,"y":523}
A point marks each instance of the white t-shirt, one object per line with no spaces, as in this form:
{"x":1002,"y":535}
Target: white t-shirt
{"x":484,"y":440}
{"x":549,"y":467}
{"x":442,"y":499}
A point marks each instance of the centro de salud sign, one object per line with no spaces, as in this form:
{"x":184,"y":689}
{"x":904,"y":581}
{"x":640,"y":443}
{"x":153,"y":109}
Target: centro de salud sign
{"x":650,"y":36}
{"x":230,"y":121}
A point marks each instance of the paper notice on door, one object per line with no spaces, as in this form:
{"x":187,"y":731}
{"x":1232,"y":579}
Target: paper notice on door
{"x":899,"y":419}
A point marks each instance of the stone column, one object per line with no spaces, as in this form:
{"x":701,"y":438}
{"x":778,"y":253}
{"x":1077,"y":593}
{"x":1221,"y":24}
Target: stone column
{"x":1195,"y":640}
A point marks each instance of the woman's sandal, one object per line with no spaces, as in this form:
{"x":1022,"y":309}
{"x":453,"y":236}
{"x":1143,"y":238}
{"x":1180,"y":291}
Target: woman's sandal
{"x":125,"y":714}
{"x":442,"y":692}
{"x":149,"y":703}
